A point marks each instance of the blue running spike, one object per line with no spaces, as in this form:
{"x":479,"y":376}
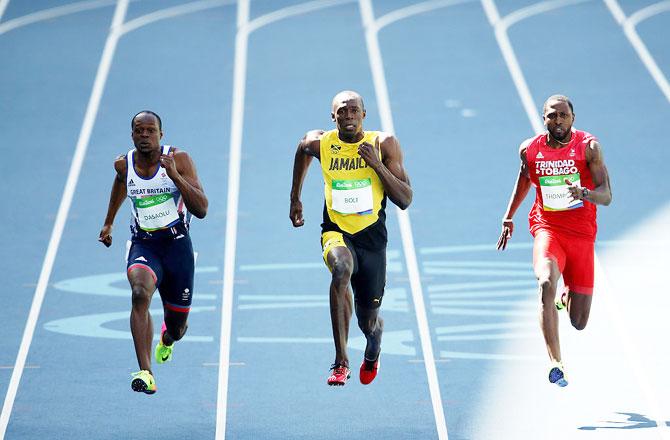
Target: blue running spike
{"x":556,"y":376}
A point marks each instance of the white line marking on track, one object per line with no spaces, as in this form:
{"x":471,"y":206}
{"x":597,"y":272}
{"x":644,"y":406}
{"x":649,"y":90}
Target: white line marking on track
{"x":291,"y":11}
{"x":3,"y":7}
{"x":500,"y":26}
{"x":617,"y":12}
{"x":420,"y":361}
{"x":381,"y":90}
{"x":163,"y":14}
{"x":63,"y":209}
{"x":629,"y":24}
{"x":416,"y":9}
{"x":524,"y":93}
{"x":236,"y":127}
{"x":25,"y":367}
{"x":480,"y":264}
{"x":536,"y":9}
{"x":280,"y":266}
{"x":51,"y":13}
{"x":512,"y":64}
{"x":216,"y":364}
{"x":451,"y":287}
{"x":172,"y":12}
{"x":648,"y":12}
{"x":286,"y":340}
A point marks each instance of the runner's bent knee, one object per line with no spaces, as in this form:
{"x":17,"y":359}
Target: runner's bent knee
{"x":547,"y":290}
{"x":177,"y":332}
{"x":579,"y":323}
{"x":141,"y":296}
{"x":579,"y":310}
{"x":176,"y":323}
{"x":142,"y":281}
{"x":367,"y":326}
{"x":579,"y":318}
{"x":341,"y":269}
{"x":367,"y":319}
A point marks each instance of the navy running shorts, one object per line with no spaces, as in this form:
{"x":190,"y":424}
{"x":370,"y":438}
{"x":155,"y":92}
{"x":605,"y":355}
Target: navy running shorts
{"x":171,"y":263}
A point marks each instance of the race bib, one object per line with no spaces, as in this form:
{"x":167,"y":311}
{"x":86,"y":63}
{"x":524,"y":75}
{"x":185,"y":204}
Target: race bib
{"x":156,"y":212}
{"x":555,"y":194}
{"x":352,"y":196}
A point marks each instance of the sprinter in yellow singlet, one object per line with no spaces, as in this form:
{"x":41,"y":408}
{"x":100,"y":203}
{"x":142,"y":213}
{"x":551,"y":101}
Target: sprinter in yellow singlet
{"x":360,"y":169}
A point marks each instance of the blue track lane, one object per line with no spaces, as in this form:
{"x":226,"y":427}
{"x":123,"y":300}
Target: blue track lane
{"x":45,"y":88}
{"x":459,"y":145}
{"x":155,"y":67}
{"x":283,"y":384}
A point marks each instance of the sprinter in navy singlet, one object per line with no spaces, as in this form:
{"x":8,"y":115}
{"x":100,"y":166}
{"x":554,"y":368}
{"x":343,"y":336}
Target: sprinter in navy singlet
{"x":164,"y":191}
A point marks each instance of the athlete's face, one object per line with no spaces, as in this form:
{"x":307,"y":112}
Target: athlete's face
{"x":558,"y":119}
{"x":348,"y":116}
{"x":146,"y":133}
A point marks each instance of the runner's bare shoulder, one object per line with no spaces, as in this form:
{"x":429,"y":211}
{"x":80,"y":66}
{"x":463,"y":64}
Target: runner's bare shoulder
{"x":121,"y":166}
{"x":523,"y":147}
{"x":311,"y":141}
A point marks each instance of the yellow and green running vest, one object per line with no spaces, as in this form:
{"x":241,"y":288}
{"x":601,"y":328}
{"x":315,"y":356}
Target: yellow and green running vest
{"x":354,"y":196}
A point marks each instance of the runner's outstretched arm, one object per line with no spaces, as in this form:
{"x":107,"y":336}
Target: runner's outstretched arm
{"x":521,"y":188}
{"x":116,"y":199}
{"x":308,"y":147}
{"x":390,"y":169}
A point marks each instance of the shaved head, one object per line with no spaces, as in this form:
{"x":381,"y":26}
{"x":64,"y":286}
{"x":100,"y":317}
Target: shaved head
{"x":559,"y":98}
{"x":344,"y":96}
{"x":348,"y":113}
{"x":158,"y":118}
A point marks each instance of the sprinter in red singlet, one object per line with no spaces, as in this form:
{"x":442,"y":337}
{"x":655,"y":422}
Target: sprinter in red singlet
{"x":567,"y":169}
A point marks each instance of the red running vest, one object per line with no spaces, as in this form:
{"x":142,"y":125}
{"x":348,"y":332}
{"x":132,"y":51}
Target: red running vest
{"x":548,"y":168}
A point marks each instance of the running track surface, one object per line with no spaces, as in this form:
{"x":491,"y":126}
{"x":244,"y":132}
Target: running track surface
{"x":237,"y":85}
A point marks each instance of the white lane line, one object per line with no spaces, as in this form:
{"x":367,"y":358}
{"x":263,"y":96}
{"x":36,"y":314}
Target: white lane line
{"x":172,"y":12}
{"x":615,"y":9}
{"x":477,"y":248}
{"x":381,"y":90}
{"x":629,"y":24}
{"x":280,"y":340}
{"x":280,"y":266}
{"x":49,"y":14}
{"x":536,"y":9}
{"x":163,"y":14}
{"x":291,"y":11}
{"x":515,"y":70}
{"x":26,"y":367}
{"x":481,"y":264}
{"x":500,"y":26}
{"x":244,"y":29}
{"x":63,"y":210}
{"x":513,"y":65}
{"x":3,"y":7}
{"x":215,"y":364}
{"x":416,"y":9}
{"x":236,"y":131}
{"x":648,"y":12}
